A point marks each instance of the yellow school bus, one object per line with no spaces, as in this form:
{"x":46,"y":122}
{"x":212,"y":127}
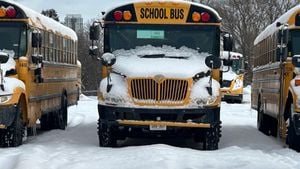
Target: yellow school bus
{"x":275,"y":88}
{"x":232,"y":80}
{"x":39,"y":72}
{"x":160,"y":72}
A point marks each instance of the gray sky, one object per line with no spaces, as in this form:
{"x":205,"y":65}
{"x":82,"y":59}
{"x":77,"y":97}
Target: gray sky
{"x":89,"y":9}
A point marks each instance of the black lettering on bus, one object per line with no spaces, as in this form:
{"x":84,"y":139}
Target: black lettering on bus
{"x":142,"y":13}
{"x":175,"y":14}
{"x":181,"y":14}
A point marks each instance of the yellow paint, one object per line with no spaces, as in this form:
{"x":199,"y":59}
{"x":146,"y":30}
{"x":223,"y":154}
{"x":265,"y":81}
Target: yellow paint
{"x":292,"y":21}
{"x":164,"y":123}
{"x":161,"y":12}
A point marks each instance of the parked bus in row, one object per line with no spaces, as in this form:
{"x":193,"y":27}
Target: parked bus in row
{"x":276,"y":79}
{"x":39,"y":72}
{"x":233,"y":78}
{"x":161,"y":72}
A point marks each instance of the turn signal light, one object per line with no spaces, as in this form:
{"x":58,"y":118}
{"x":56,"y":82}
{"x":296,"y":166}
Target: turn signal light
{"x":127,"y":15}
{"x":9,"y":12}
{"x":196,"y":16}
{"x":297,"y":82}
{"x":2,"y":12}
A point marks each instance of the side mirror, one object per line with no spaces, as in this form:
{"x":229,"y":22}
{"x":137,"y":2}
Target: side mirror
{"x":213,"y":62}
{"x":3,"y":57}
{"x":282,"y":35}
{"x":36,"y":40}
{"x":227,"y":42}
{"x":36,"y":59}
{"x":227,"y":62}
{"x":108,"y":59}
{"x":95,"y":32}
{"x":296,"y":60}
{"x":94,"y":51}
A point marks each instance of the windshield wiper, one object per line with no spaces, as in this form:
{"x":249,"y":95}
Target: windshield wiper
{"x":152,"y":56}
{"x":162,"y":56}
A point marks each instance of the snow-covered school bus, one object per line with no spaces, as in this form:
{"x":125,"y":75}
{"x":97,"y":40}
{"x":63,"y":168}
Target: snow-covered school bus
{"x":276,"y":79}
{"x":161,"y":72}
{"x":38,"y":77}
{"x":232,"y":79}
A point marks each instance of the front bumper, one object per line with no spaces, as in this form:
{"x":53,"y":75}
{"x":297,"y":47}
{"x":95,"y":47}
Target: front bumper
{"x":144,"y":117}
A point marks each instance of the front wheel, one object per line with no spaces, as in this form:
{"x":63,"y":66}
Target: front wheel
{"x":292,"y":139}
{"x":13,"y":135}
{"x":106,"y":135}
{"x":211,"y":138}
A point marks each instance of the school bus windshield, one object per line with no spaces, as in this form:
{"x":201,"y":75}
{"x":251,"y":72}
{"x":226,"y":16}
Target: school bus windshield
{"x":13,"y":37}
{"x":201,"y":38}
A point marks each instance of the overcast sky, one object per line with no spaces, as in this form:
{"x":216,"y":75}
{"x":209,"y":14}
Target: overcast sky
{"x":89,"y":9}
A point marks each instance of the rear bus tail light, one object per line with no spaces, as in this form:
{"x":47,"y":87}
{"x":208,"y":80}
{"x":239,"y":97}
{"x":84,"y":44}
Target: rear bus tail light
{"x":11,"y":12}
{"x":297,"y":82}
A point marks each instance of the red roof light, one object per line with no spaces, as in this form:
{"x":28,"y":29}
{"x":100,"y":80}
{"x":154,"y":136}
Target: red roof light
{"x":118,"y":15}
{"x":205,"y":17}
{"x":11,"y":12}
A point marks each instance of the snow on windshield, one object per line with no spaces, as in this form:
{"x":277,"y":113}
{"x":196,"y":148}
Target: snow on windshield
{"x":10,"y":64}
{"x":230,"y":75}
{"x":178,"y":63}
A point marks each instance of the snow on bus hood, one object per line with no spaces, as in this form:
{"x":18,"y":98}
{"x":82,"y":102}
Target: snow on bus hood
{"x":9,"y":83}
{"x":10,"y":64}
{"x":178,"y":63}
{"x":230,"y":75}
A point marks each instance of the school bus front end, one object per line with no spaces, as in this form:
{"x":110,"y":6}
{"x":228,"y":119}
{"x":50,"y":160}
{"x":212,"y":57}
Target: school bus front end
{"x":161,"y":73}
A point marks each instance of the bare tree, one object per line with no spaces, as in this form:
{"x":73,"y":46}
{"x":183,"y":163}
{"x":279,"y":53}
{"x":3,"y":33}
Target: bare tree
{"x":90,"y":67}
{"x":245,"y":19}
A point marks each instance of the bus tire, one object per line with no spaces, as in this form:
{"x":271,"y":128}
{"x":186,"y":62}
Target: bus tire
{"x":106,"y":135}
{"x":13,"y":135}
{"x":211,"y":138}
{"x":64,"y":109}
{"x":292,"y":139}
{"x":46,"y":122}
{"x":261,"y":118}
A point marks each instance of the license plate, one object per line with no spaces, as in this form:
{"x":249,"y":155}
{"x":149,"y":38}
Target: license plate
{"x":158,"y":127}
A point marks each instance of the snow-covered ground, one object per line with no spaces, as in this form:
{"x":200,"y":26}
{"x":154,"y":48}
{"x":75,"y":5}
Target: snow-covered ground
{"x":241,"y":146}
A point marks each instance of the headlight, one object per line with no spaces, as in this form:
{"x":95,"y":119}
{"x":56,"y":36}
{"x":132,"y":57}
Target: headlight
{"x":5,"y":98}
{"x":202,"y":102}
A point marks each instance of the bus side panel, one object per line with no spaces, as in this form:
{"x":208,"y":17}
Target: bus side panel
{"x":266,"y":89}
{"x":46,"y":96}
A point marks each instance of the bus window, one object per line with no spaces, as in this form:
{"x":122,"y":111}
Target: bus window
{"x":295,"y":42}
{"x":199,"y":38}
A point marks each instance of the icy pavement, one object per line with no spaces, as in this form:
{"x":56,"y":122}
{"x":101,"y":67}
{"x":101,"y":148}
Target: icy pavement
{"x":241,"y":146}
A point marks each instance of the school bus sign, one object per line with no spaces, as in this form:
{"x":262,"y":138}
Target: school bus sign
{"x":163,"y":12}
{"x":155,"y":12}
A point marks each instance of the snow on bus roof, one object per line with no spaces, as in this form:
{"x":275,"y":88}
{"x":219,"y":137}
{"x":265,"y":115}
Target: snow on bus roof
{"x":272,"y":28}
{"x":42,"y":21}
{"x":180,"y":1}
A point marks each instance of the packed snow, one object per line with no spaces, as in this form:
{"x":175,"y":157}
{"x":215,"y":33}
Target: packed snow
{"x":241,"y":146}
{"x":184,"y":60}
